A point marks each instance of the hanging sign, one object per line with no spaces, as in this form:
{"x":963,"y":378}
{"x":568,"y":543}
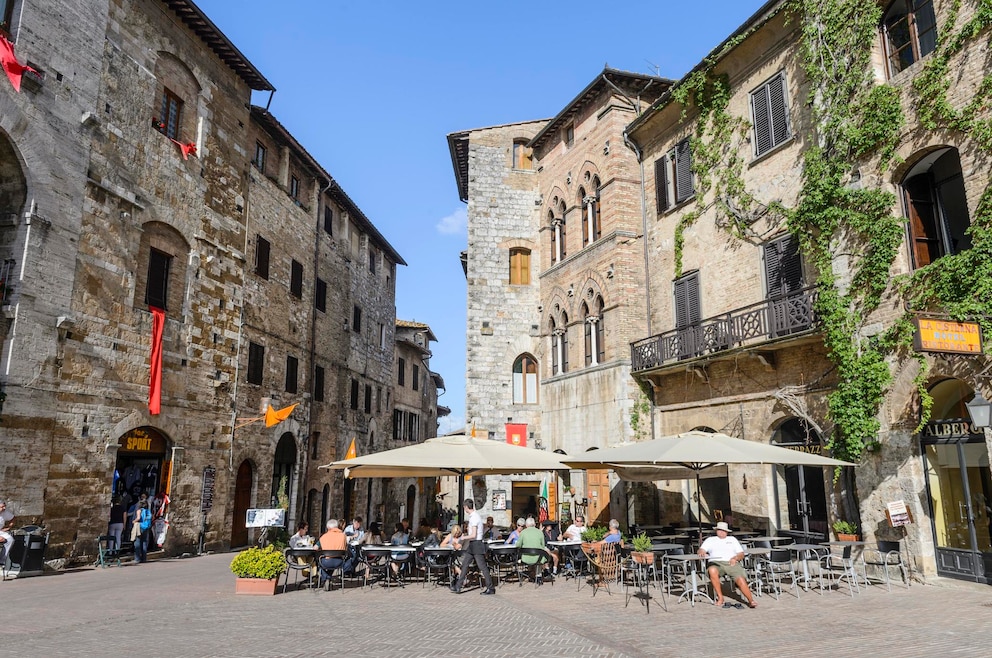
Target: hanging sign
{"x":516,"y":434}
{"x":207,"y":492}
{"x":934,"y":335}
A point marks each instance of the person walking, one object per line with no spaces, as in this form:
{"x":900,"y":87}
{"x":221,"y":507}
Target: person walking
{"x":475,"y":549}
{"x":143,"y":519}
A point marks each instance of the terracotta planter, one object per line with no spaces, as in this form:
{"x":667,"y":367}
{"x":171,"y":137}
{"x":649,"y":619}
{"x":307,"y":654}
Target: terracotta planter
{"x":643,"y":557}
{"x":255,"y":586}
{"x":843,"y":537}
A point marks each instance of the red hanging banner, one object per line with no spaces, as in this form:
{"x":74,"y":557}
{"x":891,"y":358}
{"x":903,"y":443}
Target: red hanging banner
{"x":13,"y":68}
{"x":155,"y":380}
{"x":516,"y":434}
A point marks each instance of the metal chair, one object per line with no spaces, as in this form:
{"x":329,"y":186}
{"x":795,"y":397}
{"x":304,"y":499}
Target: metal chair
{"x":887,"y":555}
{"x":108,"y":550}
{"x":542,"y":560}
{"x":673,"y":570}
{"x":775,"y":566}
{"x":574,"y":563}
{"x":437,"y":561}
{"x":297,"y":561}
{"x":376,"y":559}
{"x":328,"y":554}
{"x":841,"y":567}
{"x":504,"y":561}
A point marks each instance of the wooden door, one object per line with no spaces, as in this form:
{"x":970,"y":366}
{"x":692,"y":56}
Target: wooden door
{"x":242,"y":501}
{"x":598,"y":509}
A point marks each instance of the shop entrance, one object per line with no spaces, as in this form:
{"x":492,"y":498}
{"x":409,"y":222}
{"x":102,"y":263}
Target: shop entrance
{"x":805,"y":491}
{"x":959,"y":483}
{"x":524,"y":500}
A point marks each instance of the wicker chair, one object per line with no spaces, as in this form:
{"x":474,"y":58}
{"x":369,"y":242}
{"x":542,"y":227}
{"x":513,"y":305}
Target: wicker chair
{"x":604,"y":560}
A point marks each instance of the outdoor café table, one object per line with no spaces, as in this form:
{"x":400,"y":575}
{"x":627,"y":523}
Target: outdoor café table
{"x":654,"y":537}
{"x":692,"y":592}
{"x":377,"y":549}
{"x":805,"y":553}
{"x":750,"y":553}
{"x":770,"y":540}
{"x":849,"y":561}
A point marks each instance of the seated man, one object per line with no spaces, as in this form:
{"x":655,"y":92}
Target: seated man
{"x":614,"y":536}
{"x":574,"y":531}
{"x":725,"y":554}
{"x":334,"y":540}
{"x":531,"y":537}
{"x":300,"y":538}
{"x":489,"y":531}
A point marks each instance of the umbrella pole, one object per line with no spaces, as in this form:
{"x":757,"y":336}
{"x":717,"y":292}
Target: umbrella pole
{"x":461,"y":499}
{"x":699,"y":510}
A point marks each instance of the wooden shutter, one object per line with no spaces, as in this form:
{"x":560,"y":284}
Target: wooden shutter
{"x":762,"y":121}
{"x":601,"y":338}
{"x":564,"y":345}
{"x":587,"y":328}
{"x":554,"y":350}
{"x":262,"y":257}
{"x":687,"y":307}
{"x":783,"y":267}
{"x":778,"y":110}
{"x":661,"y":183}
{"x":683,"y":171}
{"x":157,"y":281}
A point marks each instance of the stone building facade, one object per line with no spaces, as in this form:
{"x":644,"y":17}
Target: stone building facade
{"x":555,"y":278}
{"x":735,"y":344}
{"x":130,"y":180}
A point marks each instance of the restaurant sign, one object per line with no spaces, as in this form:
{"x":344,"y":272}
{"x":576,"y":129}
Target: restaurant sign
{"x":933,"y":335}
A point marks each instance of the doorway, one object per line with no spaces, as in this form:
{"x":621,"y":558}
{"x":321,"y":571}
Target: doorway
{"x":523,"y":499}
{"x":805,"y":489}
{"x":598,"y":507}
{"x":242,"y":501}
{"x":959,"y":484}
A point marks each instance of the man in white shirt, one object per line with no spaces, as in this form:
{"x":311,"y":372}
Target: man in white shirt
{"x":6,"y":525}
{"x":724,"y":555}
{"x":475,"y":549}
{"x":575,"y":530}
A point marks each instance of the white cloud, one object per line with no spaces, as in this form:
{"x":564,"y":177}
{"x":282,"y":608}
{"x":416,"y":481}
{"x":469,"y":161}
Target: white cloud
{"x":453,"y":223}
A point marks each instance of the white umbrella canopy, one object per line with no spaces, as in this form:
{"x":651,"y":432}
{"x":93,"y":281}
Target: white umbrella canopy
{"x":454,"y":455}
{"x":691,"y":454}
{"x":450,"y":455}
{"x":697,"y":451}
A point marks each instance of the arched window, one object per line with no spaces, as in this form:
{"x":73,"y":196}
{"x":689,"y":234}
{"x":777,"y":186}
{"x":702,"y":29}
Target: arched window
{"x":161,"y":268}
{"x":554,"y":346}
{"x":523,"y":157}
{"x":525,"y":380}
{"x":909,"y":32}
{"x":557,"y":225}
{"x":519,"y":267}
{"x":936,"y":207}
{"x":590,"y":213}
{"x":592,"y":322}
{"x":174,"y":108}
{"x":563,"y":341}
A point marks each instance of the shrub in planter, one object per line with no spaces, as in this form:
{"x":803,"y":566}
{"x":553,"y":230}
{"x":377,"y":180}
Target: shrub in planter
{"x":595,"y":533}
{"x":258,"y":564}
{"x":642,"y":549}
{"x":846,"y":531}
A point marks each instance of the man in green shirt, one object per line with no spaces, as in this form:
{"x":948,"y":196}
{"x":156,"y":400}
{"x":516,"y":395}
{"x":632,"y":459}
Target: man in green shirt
{"x":532,"y":537}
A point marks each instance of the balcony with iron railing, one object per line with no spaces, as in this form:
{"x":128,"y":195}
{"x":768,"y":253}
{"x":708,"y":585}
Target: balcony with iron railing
{"x":771,"y":320}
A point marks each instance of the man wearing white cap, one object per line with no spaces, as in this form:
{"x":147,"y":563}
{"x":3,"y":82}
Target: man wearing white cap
{"x":724,"y":555}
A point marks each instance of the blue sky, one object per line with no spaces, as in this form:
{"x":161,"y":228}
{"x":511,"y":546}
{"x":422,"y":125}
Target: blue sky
{"x":372,"y":89}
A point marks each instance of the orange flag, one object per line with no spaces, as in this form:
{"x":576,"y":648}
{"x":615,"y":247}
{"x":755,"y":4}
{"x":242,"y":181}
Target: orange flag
{"x":352,"y":451}
{"x":273,"y":417}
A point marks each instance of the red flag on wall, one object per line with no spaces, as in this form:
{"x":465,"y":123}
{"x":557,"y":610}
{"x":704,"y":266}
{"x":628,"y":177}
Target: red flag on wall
{"x":516,"y":434}
{"x":155,"y":380}
{"x":11,"y":66}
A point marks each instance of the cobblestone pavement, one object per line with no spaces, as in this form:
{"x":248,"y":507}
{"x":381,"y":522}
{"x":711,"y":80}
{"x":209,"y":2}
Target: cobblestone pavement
{"x":188,"y":608}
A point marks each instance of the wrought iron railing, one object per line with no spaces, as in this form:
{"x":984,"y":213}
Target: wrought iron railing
{"x":750,"y":325}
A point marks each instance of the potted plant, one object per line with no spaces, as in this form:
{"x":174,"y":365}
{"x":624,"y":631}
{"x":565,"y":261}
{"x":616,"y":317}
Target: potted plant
{"x":642,"y":553}
{"x":846,"y":531}
{"x":592,"y":538}
{"x":257,"y":571}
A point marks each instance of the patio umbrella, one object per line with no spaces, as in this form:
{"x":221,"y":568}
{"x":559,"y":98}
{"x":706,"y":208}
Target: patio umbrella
{"x":692,"y":453}
{"x":457,"y":455}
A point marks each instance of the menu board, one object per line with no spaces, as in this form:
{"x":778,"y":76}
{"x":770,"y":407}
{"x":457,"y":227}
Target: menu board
{"x":262,"y":518}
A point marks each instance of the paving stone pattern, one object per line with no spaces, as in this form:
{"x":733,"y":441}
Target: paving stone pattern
{"x":188,"y":608}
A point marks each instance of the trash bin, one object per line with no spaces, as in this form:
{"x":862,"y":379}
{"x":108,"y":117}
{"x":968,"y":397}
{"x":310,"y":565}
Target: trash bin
{"x":27,"y":553}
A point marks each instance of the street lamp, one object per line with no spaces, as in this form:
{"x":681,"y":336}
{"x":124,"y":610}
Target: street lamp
{"x":980,"y":411}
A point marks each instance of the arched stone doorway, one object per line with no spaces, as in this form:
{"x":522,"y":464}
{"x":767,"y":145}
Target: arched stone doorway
{"x":411,"y":505}
{"x":283,"y":471}
{"x":242,"y":501}
{"x":959,"y":484}
{"x":801,"y":490}
{"x":13,"y":199}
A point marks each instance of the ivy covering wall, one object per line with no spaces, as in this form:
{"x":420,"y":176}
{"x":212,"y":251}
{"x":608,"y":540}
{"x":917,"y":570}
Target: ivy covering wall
{"x":857,"y":127}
